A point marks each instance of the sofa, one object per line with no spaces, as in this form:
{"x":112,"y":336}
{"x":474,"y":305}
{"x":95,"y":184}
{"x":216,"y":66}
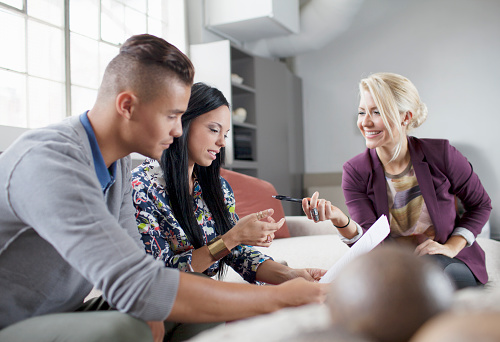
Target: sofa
{"x":303,"y":244}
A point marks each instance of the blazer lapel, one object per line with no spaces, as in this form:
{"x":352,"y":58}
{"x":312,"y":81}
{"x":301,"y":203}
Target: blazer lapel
{"x":379,"y":186}
{"x":424,"y":178}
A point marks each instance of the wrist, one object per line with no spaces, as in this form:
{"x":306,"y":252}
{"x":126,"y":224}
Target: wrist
{"x":342,"y":223}
{"x":456,"y":243}
{"x":218,"y":248}
{"x":230,"y":240}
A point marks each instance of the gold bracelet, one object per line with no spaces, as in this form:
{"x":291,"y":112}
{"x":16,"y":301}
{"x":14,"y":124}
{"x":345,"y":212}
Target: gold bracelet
{"x":218,"y":248}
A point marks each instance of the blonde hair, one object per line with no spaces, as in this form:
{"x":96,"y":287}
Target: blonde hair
{"x":394,"y":96}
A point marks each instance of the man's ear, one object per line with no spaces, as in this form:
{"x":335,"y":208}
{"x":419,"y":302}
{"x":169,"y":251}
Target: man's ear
{"x":125,"y":103}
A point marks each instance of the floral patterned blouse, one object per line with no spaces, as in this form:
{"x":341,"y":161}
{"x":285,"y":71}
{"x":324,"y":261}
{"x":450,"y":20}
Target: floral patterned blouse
{"x":165,"y":239}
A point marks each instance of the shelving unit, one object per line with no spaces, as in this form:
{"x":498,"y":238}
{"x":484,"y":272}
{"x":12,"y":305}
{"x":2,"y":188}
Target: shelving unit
{"x":214,"y":64}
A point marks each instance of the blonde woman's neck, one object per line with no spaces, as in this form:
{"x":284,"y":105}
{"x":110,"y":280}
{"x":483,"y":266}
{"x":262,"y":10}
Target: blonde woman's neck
{"x":397,"y":165}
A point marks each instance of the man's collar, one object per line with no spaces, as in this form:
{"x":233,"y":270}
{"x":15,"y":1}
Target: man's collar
{"x":106,"y":176}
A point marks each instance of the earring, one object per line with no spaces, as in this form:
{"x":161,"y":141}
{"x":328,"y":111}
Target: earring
{"x":405,"y":123}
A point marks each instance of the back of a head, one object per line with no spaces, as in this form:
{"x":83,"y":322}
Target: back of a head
{"x":332,"y":334}
{"x":461,"y":327}
{"x":145,"y":64}
{"x":388,"y":293}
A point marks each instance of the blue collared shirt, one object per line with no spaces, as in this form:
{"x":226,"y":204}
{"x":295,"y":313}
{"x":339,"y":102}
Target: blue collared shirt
{"x":105,"y":175}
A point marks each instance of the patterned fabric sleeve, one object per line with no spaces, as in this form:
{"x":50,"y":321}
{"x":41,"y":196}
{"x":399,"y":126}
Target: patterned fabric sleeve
{"x":243,"y":259}
{"x":156,"y":222}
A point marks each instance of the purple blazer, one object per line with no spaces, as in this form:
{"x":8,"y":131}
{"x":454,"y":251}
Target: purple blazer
{"x":442,"y":173}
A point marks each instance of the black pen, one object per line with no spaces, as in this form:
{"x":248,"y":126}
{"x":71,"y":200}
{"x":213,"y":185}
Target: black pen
{"x":314,"y":211}
{"x":286,"y":198}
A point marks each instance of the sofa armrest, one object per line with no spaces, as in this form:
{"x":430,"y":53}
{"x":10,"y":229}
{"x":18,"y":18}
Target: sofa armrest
{"x":302,"y":226}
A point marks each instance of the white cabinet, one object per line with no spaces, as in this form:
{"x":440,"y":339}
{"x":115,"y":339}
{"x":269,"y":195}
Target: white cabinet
{"x":244,"y":20}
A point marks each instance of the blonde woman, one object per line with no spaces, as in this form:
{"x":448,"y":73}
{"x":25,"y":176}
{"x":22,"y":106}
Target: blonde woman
{"x":414,"y":182}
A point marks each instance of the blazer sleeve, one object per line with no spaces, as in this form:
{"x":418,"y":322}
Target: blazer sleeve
{"x":465,"y":184}
{"x":359,"y":204}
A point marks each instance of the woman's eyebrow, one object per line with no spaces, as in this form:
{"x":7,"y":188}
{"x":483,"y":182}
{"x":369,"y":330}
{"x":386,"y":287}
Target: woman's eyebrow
{"x":215,"y":123}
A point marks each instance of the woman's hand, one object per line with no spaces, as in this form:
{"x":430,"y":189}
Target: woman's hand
{"x":450,"y":249}
{"x":311,"y":274}
{"x":255,"y":230}
{"x":273,"y":272}
{"x":158,"y":330}
{"x":326,"y":211}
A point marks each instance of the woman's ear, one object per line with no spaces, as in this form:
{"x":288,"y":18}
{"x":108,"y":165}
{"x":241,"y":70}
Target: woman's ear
{"x":125,"y":103}
{"x":407,"y":118}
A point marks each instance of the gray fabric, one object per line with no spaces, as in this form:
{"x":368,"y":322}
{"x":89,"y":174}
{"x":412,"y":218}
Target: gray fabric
{"x":458,"y":272}
{"x":179,"y":332}
{"x":59,"y":235}
{"x":108,"y":326}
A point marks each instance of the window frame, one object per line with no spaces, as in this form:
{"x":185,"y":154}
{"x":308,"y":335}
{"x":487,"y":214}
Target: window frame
{"x":9,"y":133}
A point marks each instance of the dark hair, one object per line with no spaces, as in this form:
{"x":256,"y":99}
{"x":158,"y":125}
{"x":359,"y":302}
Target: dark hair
{"x":145,"y":62}
{"x":174,"y":162}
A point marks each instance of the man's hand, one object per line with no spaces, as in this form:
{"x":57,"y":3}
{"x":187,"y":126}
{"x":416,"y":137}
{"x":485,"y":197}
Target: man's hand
{"x":310,"y":292}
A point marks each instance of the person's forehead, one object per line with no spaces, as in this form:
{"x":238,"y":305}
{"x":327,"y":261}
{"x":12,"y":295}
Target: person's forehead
{"x":366,"y":99}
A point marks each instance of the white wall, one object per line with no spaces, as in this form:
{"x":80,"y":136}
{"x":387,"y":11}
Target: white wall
{"x":450,"y":49}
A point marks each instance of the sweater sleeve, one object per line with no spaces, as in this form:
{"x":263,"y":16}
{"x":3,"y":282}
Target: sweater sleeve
{"x":68,"y":210}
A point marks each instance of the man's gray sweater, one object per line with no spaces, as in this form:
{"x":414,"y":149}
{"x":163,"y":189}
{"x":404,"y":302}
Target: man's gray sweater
{"x":60,"y":236}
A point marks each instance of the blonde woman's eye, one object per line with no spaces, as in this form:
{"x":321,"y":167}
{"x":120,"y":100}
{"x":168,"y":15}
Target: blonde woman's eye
{"x":225,"y":136}
{"x":376,"y":112}
{"x":361,"y":113}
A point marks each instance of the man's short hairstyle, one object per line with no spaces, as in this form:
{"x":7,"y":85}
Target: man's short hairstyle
{"x":144,"y":64}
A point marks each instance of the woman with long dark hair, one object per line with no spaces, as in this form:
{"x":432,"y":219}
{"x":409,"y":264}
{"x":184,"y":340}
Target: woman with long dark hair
{"x":185,"y":210}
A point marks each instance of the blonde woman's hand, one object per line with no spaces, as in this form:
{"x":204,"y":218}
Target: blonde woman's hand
{"x":451,"y":248}
{"x":325,"y":210}
{"x":256,"y":229}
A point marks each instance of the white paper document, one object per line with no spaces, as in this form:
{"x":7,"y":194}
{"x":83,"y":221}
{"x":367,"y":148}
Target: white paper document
{"x":371,"y":238}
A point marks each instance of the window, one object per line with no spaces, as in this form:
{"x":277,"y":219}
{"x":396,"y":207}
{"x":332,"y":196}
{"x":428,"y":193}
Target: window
{"x":55,"y":51}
